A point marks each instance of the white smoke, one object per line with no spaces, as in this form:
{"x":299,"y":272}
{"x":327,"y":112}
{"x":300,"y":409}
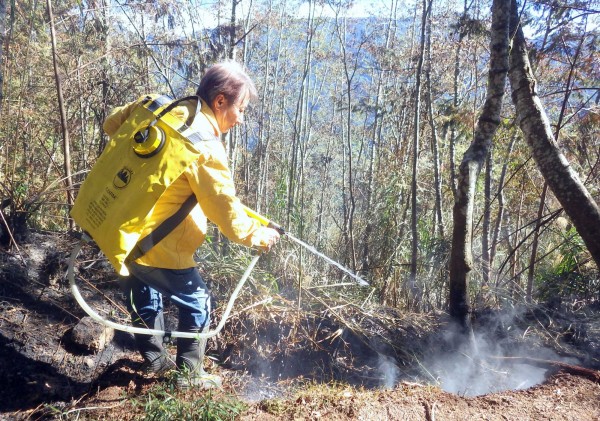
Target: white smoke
{"x":480,"y":366}
{"x":478,"y":369}
{"x":388,"y":371}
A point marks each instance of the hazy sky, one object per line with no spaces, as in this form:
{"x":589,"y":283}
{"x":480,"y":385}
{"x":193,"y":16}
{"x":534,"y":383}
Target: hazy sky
{"x":360,"y":8}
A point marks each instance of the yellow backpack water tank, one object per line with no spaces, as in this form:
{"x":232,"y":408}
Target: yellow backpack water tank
{"x":149,"y":151}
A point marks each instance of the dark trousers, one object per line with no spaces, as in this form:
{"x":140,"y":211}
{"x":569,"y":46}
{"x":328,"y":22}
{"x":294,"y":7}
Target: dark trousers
{"x":146,"y":285}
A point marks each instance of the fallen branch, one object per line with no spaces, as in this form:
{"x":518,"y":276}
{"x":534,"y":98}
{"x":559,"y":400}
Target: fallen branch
{"x":555,"y":366}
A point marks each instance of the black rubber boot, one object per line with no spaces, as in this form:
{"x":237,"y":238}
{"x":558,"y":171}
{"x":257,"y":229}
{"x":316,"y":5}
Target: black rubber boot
{"x":156,"y":358}
{"x":190,"y":357}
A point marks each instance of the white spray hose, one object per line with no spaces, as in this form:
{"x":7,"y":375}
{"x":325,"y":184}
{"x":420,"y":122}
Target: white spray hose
{"x":145,"y":331}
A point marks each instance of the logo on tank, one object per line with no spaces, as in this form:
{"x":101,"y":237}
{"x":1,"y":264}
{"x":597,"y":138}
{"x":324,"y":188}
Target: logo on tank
{"x":122,"y":178}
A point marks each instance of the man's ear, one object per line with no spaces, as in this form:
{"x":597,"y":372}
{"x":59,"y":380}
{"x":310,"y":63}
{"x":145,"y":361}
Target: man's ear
{"x":219,"y":102}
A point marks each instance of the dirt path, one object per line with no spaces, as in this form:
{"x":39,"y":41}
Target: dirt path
{"x":563,"y":397}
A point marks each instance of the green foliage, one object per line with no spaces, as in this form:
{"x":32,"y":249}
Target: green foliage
{"x":570,"y":251}
{"x":163,"y":403}
{"x":566,"y":286}
{"x":568,"y":278}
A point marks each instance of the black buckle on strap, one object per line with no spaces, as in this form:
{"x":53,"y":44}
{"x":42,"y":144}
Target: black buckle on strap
{"x":167,"y":337}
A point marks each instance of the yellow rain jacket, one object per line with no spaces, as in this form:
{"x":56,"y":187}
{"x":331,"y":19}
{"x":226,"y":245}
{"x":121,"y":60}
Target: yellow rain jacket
{"x":209,"y":179}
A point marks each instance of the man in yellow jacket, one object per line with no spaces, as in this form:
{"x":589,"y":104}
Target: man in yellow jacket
{"x":169,"y":267}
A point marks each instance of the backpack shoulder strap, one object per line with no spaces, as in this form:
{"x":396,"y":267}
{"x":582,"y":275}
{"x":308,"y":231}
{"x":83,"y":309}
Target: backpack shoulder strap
{"x":159,"y":233}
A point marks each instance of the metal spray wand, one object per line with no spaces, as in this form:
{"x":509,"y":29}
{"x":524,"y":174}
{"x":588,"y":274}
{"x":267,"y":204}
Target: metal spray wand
{"x":270,"y":224}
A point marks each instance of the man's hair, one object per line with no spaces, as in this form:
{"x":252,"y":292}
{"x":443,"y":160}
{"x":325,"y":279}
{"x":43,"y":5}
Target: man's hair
{"x":228,"y":78}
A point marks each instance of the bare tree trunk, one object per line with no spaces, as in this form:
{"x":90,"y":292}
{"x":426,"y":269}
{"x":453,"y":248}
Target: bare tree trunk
{"x":437,"y":179}
{"x":377,"y":126}
{"x":296,"y":151}
{"x":63,"y":113}
{"x":412,"y":280}
{"x":452,"y":145}
{"x":231,"y":138}
{"x":535,"y":244}
{"x":370,"y":176}
{"x":485,"y":229}
{"x":562,"y":179}
{"x":461,"y":259}
{"x":500,"y":195}
{"x":104,"y":20}
{"x":267,"y":103}
{"x":232,"y":26}
{"x":2,"y":44}
{"x":514,"y":248}
{"x":462,"y":33}
{"x":349,"y":201}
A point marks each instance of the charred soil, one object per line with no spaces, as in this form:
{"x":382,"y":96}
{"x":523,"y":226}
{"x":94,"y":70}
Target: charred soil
{"x":326,"y":363}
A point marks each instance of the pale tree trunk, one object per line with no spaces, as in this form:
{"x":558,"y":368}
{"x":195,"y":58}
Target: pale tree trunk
{"x":63,"y":114}
{"x":247,"y":160}
{"x":511,"y":239}
{"x":231,"y":138}
{"x":535,"y":244}
{"x":412,"y":280}
{"x":485,"y":229}
{"x":324,"y":206}
{"x":104,"y":19}
{"x":232,"y":25}
{"x":452,"y":145}
{"x":514,"y":249}
{"x":377,"y":126}
{"x":296,"y":151}
{"x":437,"y":179}
{"x":500,"y":195}
{"x":348,"y":201}
{"x":462,"y":33}
{"x":561,"y":178}
{"x":461,"y":259}
{"x":267,"y":104}
{"x":370,"y":175}
{"x":2,"y":45}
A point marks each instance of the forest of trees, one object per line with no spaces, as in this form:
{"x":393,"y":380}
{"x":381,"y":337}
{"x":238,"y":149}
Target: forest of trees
{"x":363,"y":137}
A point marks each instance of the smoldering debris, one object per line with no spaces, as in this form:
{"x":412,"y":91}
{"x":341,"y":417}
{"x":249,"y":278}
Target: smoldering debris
{"x":382,"y":347}
{"x":370,"y":349}
{"x":471,"y":371}
{"x":490,"y":360}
